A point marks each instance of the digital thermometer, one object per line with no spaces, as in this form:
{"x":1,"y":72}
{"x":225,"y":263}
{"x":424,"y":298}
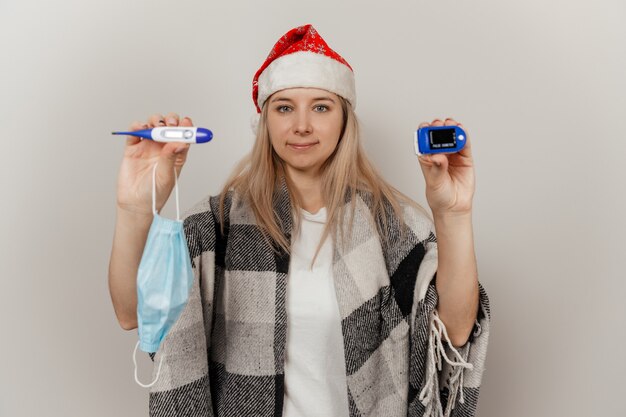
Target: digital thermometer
{"x":184,"y":134}
{"x":439,"y":139}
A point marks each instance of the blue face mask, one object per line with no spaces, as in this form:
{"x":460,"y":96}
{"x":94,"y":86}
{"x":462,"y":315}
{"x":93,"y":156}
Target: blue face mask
{"x":164,"y":280}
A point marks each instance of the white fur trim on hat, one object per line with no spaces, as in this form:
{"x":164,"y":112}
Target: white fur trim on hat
{"x":307,"y":69}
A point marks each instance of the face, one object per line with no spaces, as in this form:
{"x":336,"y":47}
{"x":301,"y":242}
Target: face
{"x":304,"y":126}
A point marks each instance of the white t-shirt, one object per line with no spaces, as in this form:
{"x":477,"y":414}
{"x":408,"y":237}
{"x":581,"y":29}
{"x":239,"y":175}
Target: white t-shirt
{"x":315,"y":370}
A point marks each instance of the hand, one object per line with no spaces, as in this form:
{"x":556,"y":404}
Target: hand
{"x":134,"y":185}
{"x":450,"y":179}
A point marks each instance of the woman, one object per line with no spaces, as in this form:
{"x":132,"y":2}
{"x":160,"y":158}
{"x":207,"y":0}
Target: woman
{"x":314,"y":290}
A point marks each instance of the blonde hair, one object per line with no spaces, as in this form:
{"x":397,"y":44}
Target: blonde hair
{"x":347,"y":170}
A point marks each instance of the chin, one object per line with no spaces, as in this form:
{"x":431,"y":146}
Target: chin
{"x":300,"y":167}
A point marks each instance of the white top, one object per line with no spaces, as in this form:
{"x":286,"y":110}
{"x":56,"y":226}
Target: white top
{"x":315,"y":370}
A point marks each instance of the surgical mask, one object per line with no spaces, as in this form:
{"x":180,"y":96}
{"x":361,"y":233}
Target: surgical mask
{"x":164,"y":280}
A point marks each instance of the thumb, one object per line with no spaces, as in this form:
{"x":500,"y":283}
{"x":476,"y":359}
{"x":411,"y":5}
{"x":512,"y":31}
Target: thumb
{"x":172,"y":152}
{"x":440,"y":161}
{"x":434,"y":167}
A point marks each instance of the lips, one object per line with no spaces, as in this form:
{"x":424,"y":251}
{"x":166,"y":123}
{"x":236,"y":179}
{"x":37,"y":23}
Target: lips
{"x":301,"y":146}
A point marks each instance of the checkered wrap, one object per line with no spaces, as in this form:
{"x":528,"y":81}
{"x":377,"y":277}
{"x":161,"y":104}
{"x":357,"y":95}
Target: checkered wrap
{"x":225,"y":354}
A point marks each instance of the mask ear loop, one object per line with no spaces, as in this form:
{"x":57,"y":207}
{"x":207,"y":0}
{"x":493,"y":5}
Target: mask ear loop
{"x":158,"y":370}
{"x":154,"y":212}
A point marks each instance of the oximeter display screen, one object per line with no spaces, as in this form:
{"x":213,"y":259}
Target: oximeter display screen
{"x":442,"y":138}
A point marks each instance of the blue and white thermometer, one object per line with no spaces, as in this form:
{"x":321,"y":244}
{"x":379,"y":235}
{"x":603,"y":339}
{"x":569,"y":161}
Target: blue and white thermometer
{"x":439,"y":139}
{"x":184,"y":134}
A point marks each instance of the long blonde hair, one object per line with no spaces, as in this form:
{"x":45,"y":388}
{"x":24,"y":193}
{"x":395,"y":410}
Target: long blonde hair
{"x":347,"y":170}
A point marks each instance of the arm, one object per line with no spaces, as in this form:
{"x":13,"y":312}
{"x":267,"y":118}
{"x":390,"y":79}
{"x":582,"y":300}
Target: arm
{"x":131,"y":232}
{"x":457,"y":276}
{"x":450,"y":185}
{"x":134,"y":214}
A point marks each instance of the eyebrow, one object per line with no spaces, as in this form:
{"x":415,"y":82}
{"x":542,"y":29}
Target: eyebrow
{"x":290,"y":100}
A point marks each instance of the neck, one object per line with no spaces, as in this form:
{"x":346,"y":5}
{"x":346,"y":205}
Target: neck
{"x":308,"y":187}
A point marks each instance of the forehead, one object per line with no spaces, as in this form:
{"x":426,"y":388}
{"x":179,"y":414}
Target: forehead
{"x":303,"y":93}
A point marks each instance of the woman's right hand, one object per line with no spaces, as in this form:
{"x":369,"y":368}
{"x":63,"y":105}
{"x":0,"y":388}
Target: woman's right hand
{"x":134,"y":184}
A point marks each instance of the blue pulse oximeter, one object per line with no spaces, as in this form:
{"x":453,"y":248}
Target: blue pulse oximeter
{"x":439,"y":139}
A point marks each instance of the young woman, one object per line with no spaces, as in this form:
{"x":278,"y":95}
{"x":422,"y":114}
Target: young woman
{"x":319,"y":289}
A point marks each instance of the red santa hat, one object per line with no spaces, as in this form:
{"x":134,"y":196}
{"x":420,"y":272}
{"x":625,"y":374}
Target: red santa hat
{"x":301,"y":58}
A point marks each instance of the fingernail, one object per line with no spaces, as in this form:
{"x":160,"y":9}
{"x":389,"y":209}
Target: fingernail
{"x":171,"y":121}
{"x":179,"y":150}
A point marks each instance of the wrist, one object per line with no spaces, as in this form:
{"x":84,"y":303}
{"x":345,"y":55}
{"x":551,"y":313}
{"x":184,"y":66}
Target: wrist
{"x":131,"y":214}
{"x":452,"y":215}
{"x":452,"y":222}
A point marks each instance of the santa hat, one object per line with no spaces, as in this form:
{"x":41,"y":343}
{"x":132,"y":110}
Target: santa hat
{"x":301,"y":58}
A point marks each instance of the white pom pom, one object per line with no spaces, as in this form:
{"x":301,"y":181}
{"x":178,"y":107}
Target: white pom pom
{"x":254,"y":122}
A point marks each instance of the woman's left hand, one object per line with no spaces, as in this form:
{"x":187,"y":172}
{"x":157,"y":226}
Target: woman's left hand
{"x":450,"y":181}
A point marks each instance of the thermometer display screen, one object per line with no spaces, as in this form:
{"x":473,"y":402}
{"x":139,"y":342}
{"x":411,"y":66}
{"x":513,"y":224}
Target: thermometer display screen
{"x":442,"y":138}
{"x":173,"y":134}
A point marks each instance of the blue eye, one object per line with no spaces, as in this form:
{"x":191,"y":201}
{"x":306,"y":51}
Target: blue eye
{"x":323,"y":106}
{"x":279,"y":108}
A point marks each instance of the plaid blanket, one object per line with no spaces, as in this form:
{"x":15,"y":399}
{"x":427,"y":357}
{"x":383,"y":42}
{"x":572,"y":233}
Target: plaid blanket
{"x":224,"y":356}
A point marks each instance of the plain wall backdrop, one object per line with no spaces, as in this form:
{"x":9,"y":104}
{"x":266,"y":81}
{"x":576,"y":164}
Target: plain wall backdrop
{"x":539,"y":85}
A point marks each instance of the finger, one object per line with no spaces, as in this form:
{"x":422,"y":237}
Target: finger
{"x":171,"y":150}
{"x":428,"y":161}
{"x":440,"y":161}
{"x":156,"y":120}
{"x":186,"y":121}
{"x":132,"y":140}
{"x":424,"y":160}
{"x":437,"y":122}
{"x":450,"y":122}
{"x":183,"y":151}
{"x":424,"y":124}
{"x":174,"y":154}
{"x":434,"y":167}
{"x":172,"y":119}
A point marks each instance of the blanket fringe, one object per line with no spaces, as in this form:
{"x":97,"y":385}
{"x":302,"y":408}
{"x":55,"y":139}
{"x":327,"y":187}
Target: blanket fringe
{"x":429,"y":396}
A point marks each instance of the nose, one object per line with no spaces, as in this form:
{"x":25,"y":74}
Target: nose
{"x":302,"y":123}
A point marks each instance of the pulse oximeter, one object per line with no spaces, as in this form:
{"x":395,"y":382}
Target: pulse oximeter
{"x":439,"y":139}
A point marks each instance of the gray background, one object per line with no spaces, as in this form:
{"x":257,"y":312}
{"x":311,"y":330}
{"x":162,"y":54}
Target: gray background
{"x":540,"y":87}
